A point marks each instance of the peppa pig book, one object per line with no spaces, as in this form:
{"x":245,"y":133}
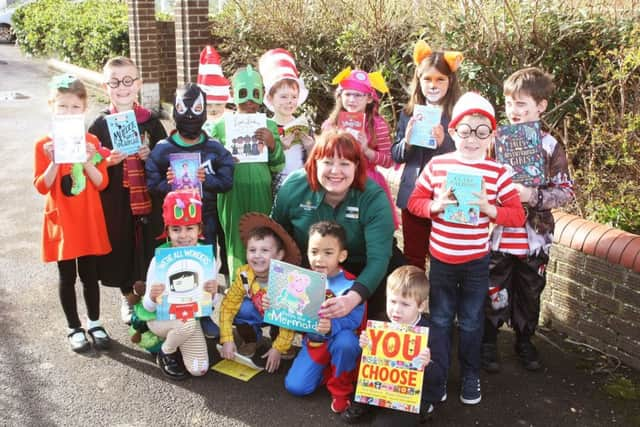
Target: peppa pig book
{"x":295,"y":295}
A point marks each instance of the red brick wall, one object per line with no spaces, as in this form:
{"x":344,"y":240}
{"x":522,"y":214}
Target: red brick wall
{"x":166,"y":44}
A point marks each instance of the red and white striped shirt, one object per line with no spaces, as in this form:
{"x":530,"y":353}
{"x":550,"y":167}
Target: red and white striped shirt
{"x":459,"y":243}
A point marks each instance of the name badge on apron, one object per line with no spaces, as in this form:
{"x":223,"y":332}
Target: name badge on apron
{"x":352,"y":212}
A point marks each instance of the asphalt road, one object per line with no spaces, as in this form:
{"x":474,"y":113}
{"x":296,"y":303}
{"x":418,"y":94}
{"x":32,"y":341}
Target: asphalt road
{"x":42,"y":382}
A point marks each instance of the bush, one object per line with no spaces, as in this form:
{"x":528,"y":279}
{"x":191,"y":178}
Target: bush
{"x":84,"y":33}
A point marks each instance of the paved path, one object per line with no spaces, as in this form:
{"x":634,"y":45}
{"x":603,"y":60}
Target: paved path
{"x":43,"y":383}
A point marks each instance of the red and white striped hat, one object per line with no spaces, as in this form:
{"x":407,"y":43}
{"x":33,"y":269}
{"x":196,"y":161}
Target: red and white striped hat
{"x":278,"y":64}
{"x":210,"y":77}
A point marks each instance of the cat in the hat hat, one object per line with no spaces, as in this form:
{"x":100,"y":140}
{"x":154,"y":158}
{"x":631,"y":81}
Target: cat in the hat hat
{"x":216,"y":86}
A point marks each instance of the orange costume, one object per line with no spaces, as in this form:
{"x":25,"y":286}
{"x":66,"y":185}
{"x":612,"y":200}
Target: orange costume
{"x":73,"y":226}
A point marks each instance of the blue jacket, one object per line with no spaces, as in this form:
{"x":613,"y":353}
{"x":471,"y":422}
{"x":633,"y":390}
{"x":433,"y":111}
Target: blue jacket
{"x":416,"y":158}
{"x":217,"y":162}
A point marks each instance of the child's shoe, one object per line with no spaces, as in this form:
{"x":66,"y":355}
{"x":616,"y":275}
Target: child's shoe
{"x":78,"y":340}
{"x":425,"y":413}
{"x":355,"y":413}
{"x":126,"y":310}
{"x":489,"y":357}
{"x":209,"y":328}
{"x":248,"y":349}
{"x":99,"y":336}
{"x":289,"y":354}
{"x":528,"y":355}
{"x":170,"y":366}
{"x":470,"y":390}
{"x":339,"y":404}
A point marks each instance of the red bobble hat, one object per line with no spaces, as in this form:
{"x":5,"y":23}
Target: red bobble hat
{"x":472,"y":103}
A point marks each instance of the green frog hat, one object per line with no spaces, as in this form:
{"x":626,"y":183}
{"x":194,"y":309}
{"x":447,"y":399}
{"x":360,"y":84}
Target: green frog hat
{"x":247,"y":86}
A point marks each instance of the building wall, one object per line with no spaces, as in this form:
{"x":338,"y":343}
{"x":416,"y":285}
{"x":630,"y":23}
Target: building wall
{"x":167,"y":49}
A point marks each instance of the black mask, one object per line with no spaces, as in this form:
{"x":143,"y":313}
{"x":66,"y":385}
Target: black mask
{"x":190,"y":111}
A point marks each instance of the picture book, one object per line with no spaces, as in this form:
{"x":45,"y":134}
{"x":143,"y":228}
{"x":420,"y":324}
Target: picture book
{"x":295,"y":295}
{"x":463,"y":186}
{"x":185,"y":167}
{"x":425,"y":118}
{"x":297,"y":127}
{"x":241,"y":141}
{"x":124,"y":132}
{"x":68,"y":135}
{"x":351,"y":122}
{"x":183,"y":270}
{"x":388,"y":376}
{"x":240,"y":367}
{"x":520,"y":147}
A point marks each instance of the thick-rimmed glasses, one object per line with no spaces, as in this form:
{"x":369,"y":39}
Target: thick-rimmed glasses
{"x":464,"y":131}
{"x":127,"y":81}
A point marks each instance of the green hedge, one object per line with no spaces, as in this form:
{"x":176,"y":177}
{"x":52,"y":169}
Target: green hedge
{"x":83,"y":33}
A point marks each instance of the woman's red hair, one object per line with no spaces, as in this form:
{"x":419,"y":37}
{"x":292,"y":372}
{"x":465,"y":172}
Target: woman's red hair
{"x":342,"y":144}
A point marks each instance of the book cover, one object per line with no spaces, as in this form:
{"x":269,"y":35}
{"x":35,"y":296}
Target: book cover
{"x":240,"y":367}
{"x":519,"y":146}
{"x":68,"y":135}
{"x":388,"y":376}
{"x":297,"y":127}
{"x":241,"y":141}
{"x":425,"y":118}
{"x":353,"y":123}
{"x":124,"y":132}
{"x":183,"y":270}
{"x":463,"y":186}
{"x":185,"y":167}
{"x":296,"y":295}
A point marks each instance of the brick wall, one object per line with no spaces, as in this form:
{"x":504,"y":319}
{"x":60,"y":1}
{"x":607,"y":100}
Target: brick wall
{"x":593,"y":287}
{"x":192,"y":35}
{"x":167,"y":46}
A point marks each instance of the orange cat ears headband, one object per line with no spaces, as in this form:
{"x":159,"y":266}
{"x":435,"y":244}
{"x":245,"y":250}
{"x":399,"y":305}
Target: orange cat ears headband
{"x":422,"y":50}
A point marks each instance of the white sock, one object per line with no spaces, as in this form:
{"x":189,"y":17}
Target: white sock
{"x":94,"y":324}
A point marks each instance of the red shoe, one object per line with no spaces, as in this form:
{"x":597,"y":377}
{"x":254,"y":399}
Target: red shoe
{"x":340,"y":404}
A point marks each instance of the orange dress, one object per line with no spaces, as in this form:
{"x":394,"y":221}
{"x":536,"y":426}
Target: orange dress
{"x":73,"y":226}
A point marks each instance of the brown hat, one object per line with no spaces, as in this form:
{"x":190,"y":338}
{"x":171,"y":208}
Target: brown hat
{"x":252,"y":220}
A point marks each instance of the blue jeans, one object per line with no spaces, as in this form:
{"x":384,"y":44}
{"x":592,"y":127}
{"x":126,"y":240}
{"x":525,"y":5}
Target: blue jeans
{"x":460,"y":289}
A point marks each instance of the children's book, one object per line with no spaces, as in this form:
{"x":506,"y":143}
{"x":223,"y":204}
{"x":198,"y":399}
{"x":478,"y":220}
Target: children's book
{"x":351,"y":122}
{"x":425,"y":118}
{"x":240,"y":135}
{"x":124,"y":132}
{"x":295,"y":295}
{"x":297,"y":127}
{"x":463,"y":186}
{"x":388,"y":376}
{"x":68,"y":135}
{"x":240,"y":367}
{"x":183,"y":270}
{"x":185,"y":167}
{"x":520,"y":147}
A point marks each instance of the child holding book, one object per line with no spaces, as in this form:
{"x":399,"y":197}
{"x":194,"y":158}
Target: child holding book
{"x":182,"y":215}
{"x":285,"y":92}
{"x":356,"y":93}
{"x":265,"y":240}
{"x":407,"y":303}
{"x":435,"y":83}
{"x":133,"y":217}
{"x":331,"y":355}
{"x":519,"y":255}
{"x":459,"y":269}
{"x":74,"y":232}
{"x":251,"y":190}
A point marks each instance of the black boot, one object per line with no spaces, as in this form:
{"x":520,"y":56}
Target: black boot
{"x":170,"y":365}
{"x":528,"y":354}
{"x":489,"y":357}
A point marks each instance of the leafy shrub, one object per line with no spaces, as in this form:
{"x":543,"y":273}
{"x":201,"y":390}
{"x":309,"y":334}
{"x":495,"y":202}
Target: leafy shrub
{"x":84,"y":33}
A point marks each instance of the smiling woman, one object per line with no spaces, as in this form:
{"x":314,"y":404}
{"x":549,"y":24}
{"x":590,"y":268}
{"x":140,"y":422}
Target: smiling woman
{"x":334,"y":186}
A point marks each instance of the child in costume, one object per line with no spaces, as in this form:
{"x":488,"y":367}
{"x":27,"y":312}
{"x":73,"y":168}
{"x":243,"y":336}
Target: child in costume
{"x":215,"y":85}
{"x":182,"y":215}
{"x":434,"y":83}
{"x":519,"y":255}
{"x":132,"y":215}
{"x":331,"y":355}
{"x":356,"y":93}
{"x":459,"y":266}
{"x":285,"y":92}
{"x":407,"y":303}
{"x":243,"y":306}
{"x":251,"y":190}
{"x":74,"y":232}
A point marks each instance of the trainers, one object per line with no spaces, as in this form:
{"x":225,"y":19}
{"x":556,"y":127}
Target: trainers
{"x":528,"y":355}
{"x":126,"y":310}
{"x":489,"y":357}
{"x":248,"y":349}
{"x":470,"y":390}
{"x":425,"y":413}
{"x":354,"y":413}
{"x":340,"y":404}
{"x":78,"y":340}
{"x":170,"y":366}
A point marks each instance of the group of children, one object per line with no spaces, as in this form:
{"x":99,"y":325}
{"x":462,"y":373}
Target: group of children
{"x":106,"y":229}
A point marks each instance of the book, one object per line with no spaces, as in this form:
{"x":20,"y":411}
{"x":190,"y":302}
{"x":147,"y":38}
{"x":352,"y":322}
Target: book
{"x":298,"y":126}
{"x":183,"y":270}
{"x":124,"y":132}
{"x":463,"y":187}
{"x":68,"y":135}
{"x":185,"y":167}
{"x":388,"y":376}
{"x":519,"y":146}
{"x":425,"y":118}
{"x":353,"y":123}
{"x":295,"y":295}
{"x":241,"y":141}
{"x":240,"y":367}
